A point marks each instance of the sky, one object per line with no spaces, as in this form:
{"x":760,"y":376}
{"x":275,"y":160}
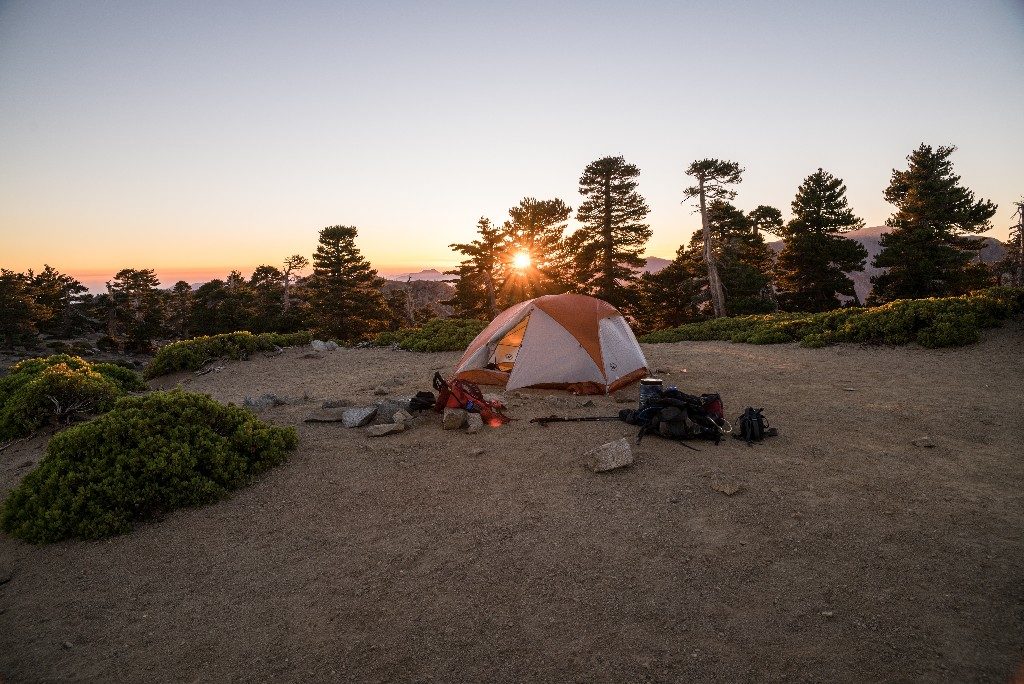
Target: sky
{"x":196,"y":137}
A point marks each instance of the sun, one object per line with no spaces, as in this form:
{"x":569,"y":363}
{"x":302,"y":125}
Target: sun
{"x":521,"y":261}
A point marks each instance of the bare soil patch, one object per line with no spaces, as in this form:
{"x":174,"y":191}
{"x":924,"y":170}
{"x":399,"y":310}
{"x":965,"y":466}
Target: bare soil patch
{"x":847,"y":553}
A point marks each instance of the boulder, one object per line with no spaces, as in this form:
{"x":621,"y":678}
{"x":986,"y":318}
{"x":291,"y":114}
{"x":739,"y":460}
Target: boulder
{"x":358,"y":416}
{"x":474,"y":423}
{"x":617,"y":454}
{"x":453,"y":418}
{"x":385,"y":429}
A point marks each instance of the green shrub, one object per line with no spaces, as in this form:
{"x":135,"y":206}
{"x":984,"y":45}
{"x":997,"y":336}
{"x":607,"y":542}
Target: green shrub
{"x":194,"y":353}
{"x":148,"y":455}
{"x":59,"y":389}
{"x":439,"y":334}
{"x":946,"y":322}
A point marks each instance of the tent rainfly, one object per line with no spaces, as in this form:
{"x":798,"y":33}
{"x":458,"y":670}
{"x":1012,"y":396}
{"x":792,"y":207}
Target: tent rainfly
{"x":565,"y":341}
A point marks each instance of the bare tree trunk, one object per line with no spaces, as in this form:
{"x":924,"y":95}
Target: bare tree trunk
{"x":714,"y":281}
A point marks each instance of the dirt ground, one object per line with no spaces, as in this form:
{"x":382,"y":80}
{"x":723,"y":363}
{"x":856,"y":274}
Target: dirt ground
{"x":849,"y":554}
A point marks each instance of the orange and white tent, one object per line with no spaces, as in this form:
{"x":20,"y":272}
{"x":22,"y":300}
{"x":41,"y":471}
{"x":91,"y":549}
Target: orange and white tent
{"x":565,"y":341}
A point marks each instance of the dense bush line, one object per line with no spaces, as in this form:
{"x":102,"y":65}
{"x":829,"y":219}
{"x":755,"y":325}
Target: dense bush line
{"x":439,"y":334}
{"x":59,"y":389}
{"x":194,"y":353}
{"x":937,"y":322}
{"x":146,"y":456}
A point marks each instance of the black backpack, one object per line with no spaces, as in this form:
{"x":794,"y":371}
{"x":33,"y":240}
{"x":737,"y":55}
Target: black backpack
{"x":752,"y":426}
{"x":676,"y":415}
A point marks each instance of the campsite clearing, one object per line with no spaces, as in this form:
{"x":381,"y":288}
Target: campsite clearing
{"x":845,"y":552}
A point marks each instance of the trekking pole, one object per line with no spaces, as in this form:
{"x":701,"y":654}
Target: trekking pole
{"x":562,"y":419}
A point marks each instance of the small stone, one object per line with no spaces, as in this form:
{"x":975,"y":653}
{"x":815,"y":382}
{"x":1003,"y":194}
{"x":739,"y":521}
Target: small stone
{"x":403,"y":417}
{"x":385,"y":429}
{"x":474,"y":423}
{"x":727,"y":488}
{"x":617,"y":454}
{"x":674,"y":499}
{"x":334,"y":403}
{"x":26,"y":464}
{"x":380,"y":391}
{"x":661,"y":371}
{"x":479,"y":451}
{"x":587,"y":404}
{"x":828,"y":613}
{"x":453,"y":418}
{"x":924,"y":442}
{"x":67,"y":645}
{"x":623,"y":398}
{"x":849,"y":389}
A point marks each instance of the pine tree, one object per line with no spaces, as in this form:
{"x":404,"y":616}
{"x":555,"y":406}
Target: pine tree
{"x":1012,"y":265}
{"x":289,"y":274}
{"x":179,"y":309}
{"x":607,"y":249}
{"x":135,"y":314}
{"x":60,"y":294}
{"x":535,"y":229}
{"x":929,"y":251}
{"x":745,"y":260}
{"x":714,"y":176}
{"x":346,"y":298}
{"x":813,"y":264}
{"x":19,"y":312}
{"x":266,"y":286}
{"x":674,"y":295}
{"x":476,"y":291}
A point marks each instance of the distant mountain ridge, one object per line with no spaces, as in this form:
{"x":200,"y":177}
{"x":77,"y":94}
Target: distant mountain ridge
{"x":429,"y":274}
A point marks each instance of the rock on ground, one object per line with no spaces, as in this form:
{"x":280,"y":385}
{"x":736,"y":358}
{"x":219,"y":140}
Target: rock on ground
{"x":264,"y":401}
{"x":453,"y":418}
{"x":617,"y":454}
{"x":358,"y":416}
{"x":320,"y":345}
{"x":474,"y":423}
{"x":385,"y":429}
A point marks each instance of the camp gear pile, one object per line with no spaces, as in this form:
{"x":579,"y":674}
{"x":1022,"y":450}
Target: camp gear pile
{"x":677,"y":415}
{"x":466,"y":395}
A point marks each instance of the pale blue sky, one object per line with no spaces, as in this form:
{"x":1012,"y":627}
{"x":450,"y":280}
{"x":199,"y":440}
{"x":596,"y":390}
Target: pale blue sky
{"x":208,"y":135}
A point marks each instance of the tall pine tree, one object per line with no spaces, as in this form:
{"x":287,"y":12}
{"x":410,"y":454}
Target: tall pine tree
{"x":535,"y":231}
{"x":476,"y":291}
{"x":812,"y":267}
{"x":930,"y":252}
{"x":346,"y":298}
{"x":713,"y":176}
{"x":607,"y":249}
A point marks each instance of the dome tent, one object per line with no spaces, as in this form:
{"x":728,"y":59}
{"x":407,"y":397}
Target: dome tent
{"x":565,"y":341}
